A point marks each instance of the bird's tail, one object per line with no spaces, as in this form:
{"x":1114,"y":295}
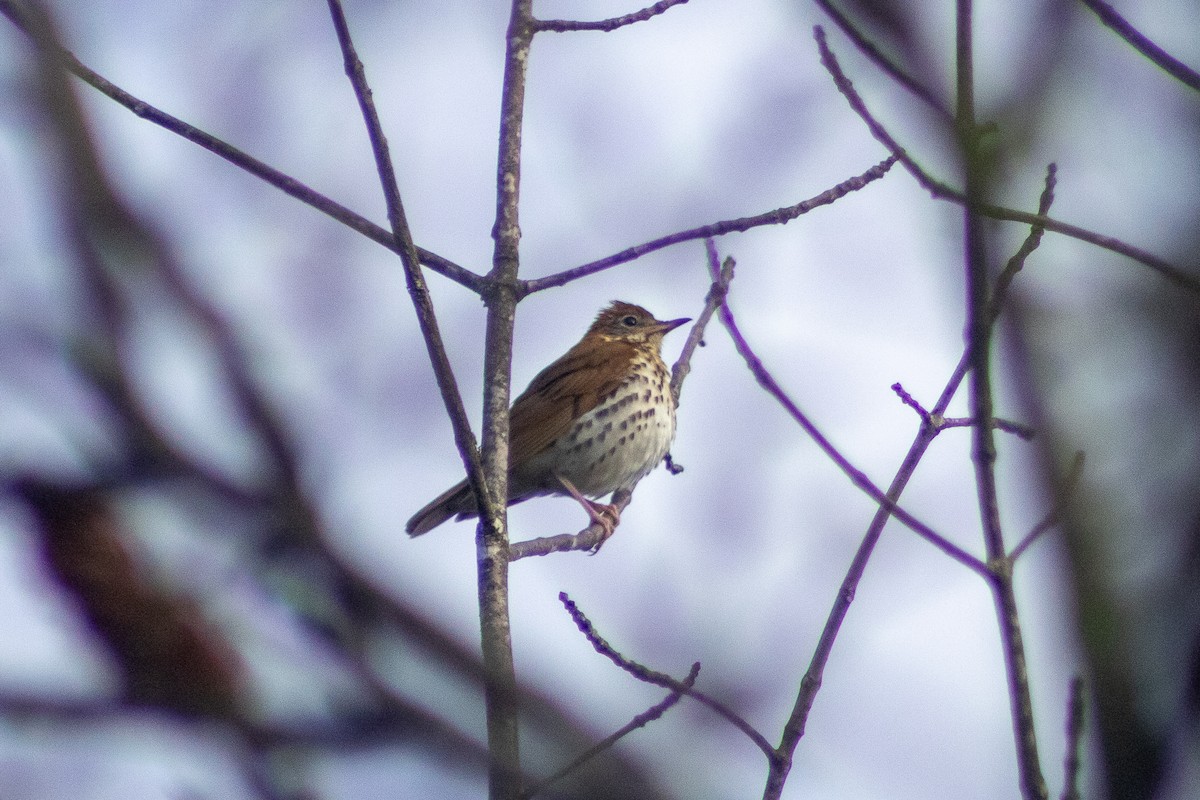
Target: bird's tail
{"x":458,"y":499}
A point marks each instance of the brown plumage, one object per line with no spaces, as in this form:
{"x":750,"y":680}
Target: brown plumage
{"x":594,"y":421}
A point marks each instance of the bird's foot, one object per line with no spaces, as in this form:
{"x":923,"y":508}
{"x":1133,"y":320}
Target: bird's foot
{"x":608,"y":517}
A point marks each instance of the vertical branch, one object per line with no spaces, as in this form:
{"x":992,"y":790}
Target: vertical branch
{"x":501,"y":297}
{"x":979,"y":330}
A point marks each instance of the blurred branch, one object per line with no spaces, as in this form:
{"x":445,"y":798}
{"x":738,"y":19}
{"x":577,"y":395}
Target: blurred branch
{"x":593,"y":537}
{"x":780,"y":216}
{"x":872,"y":52}
{"x":943,"y":191}
{"x":169,"y":657}
{"x":647,"y":675}
{"x":1065,"y":493}
{"x":1074,"y":740}
{"x":640,"y":721}
{"x":1165,"y":61}
{"x":607,"y":25}
{"x":289,"y":185}
{"x":123,"y":263}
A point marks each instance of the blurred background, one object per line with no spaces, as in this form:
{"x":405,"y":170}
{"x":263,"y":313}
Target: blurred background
{"x":165,"y":545}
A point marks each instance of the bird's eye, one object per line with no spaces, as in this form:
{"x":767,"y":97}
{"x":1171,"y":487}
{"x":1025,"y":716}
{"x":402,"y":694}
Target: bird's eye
{"x":629,"y":321}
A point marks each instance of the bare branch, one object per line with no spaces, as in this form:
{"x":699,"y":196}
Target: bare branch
{"x":810,"y":684}
{"x":856,"y":476}
{"x":981,"y":401}
{"x":1074,"y":740}
{"x":648,"y":675}
{"x":1031,"y":242}
{"x":912,"y":403}
{"x":943,"y":191}
{"x":238,"y":158}
{"x":1018,"y":429}
{"x":464,"y":437}
{"x":1051,"y":519}
{"x":1119,"y":25}
{"x":779,"y":216}
{"x":607,"y":25}
{"x":640,"y":721}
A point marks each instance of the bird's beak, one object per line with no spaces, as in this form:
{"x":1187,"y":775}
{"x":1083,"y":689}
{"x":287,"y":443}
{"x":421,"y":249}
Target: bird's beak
{"x":671,"y":324}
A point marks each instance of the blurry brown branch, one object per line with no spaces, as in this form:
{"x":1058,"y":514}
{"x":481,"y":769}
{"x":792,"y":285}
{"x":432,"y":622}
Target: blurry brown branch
{"x":591,"y":538}
{"x":607,"y":25}
{"x":780,"y":216}
{"x":1167,"y":62}
{"x":169,"y":657}
{"x":289,"y":185}
{"x":943,"y":191}
{"x":173,"y":661}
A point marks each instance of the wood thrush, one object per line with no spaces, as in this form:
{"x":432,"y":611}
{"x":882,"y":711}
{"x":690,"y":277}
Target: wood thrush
{"x":596,"y":420}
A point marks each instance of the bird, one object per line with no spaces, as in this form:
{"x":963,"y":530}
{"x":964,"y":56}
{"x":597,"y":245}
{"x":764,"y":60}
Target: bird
{"x":598,"y":419}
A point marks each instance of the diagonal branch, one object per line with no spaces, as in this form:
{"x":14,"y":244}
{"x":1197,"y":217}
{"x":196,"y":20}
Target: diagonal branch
{"x":810,"y":685}
{"x":1119,"y":25}
{"x":640,"y":721}
{"x":648,"y":675}
{"x":856,"y":476}
{"x":238,"y":158}
{"x":871,"y":51}
{"x":942,"y":191}
{"x":464,"y":438}
{"x":780,"y":216}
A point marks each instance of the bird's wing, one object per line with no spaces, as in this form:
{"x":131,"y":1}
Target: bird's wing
{"x":561,"y":393}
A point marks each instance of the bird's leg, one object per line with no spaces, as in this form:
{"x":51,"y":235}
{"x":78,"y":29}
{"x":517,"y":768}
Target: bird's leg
{"x":606,"y":516}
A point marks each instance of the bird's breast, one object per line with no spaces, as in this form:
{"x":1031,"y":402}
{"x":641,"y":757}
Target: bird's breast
{"x":623,"y":437}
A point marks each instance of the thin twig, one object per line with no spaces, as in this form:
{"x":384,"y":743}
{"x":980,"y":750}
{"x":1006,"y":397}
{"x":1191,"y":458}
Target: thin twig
{"x":1031,"y":242}
{"x":640,"y":721}
{"x":464,"y":437}
{"x":591,"y":538}
{"x":779,"y":216}
{"x":1119,"y":25}
{"x":1018,"y":429}
{"x":607,"y":25}
{"x":912,"y":403}
{"x":942,"y":191}
{"x":648,"y":675}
